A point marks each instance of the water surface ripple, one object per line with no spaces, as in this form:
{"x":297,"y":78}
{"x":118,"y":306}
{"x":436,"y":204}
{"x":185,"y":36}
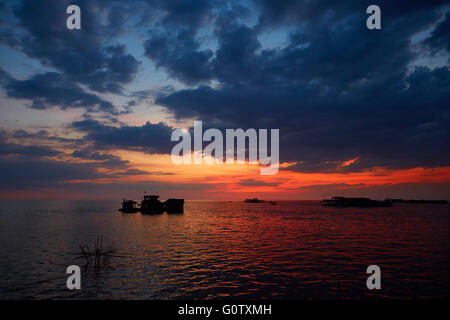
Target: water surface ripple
{"x":221,"y":249}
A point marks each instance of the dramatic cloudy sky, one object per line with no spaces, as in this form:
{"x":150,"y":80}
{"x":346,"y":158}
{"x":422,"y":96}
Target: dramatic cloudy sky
{"x":88,"y":113}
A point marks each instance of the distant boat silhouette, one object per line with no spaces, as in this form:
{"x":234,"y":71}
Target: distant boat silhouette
{"x":151,"y":205}
{"x":174,"y":205}
{"x":355,"y":202}
{"x":129,"y":206}
{"x":253,"y":200}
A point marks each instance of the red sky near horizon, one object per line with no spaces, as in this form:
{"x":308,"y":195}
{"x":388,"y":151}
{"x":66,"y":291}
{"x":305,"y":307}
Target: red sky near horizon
{"x":236,"y":182}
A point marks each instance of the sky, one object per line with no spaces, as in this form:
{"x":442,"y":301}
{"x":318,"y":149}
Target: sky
{"x":88,"y":114}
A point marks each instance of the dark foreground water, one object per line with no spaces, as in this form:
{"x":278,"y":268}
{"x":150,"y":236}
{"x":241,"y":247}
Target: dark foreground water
{"x":293,"y":250}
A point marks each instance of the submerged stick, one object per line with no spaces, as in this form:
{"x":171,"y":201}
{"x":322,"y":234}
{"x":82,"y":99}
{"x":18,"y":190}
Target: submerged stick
{"x":102,"y":255}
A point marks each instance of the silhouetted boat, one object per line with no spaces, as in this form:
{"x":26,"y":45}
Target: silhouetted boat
{"x":355,"y":202}
{"x":253,"y":200}
{"x":174,"y":205}
{"x":151,"y":205}
{"x":129,"y":206}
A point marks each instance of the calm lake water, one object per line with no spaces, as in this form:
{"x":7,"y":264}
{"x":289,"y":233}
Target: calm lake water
{"x":292,"y":250}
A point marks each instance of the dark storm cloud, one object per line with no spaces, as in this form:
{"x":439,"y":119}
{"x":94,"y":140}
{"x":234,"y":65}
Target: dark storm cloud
{"x":83,"y":55}
{"x":87,"y":57}
{"x":108,"y":160}
{"x":337,"y":91}
{"x":29,"y":151}
{"x":173,"y":45}
{"x":24,"y":174}
{"x":275,"y":12}
{"x":24,"y":166}
{"x":119,"y":68}
{"x":30,"y":174}
{"x":41,"y":135}
{"x":440,"y":37}
{"x":8,"y":148}
{"x":149,"y":138}
{"x":185,"y":14}
{"x":176,"y":48}
{"x":180,"y":56}
{"x":53,"y":89}
{"x":338,"y":54}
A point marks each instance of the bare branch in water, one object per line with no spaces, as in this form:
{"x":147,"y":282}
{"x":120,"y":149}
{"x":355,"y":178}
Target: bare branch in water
{"x":99,"y":255}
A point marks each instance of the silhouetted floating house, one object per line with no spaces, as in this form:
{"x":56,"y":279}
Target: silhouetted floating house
{"x":253,"y":200}
{"x":129,"y":206}
{"x":151,"y":205}
{"x":174,"y":205}
{"x":355,"y":202}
